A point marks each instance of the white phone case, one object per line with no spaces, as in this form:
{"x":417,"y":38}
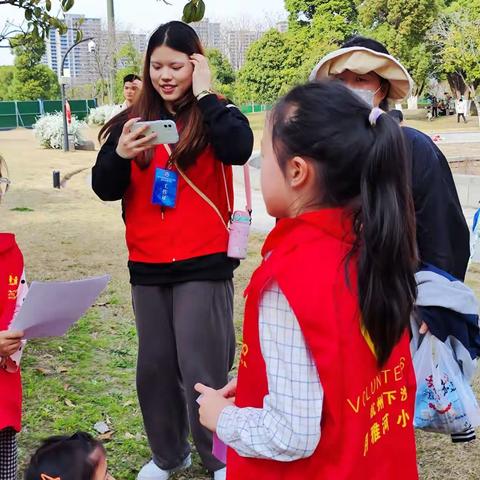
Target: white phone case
{"x":166,"y":131}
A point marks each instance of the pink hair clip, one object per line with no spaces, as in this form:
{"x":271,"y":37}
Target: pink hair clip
{"x":374,"y":114}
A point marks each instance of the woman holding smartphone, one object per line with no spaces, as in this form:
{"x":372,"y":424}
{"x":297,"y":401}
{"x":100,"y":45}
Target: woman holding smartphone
{"x":181,"y":276}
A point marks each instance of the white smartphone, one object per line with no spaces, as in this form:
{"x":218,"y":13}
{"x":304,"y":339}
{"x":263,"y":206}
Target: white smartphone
{"x":166,"y":131}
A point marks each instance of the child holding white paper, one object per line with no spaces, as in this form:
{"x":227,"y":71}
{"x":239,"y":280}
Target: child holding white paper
{"x":13,"y":289}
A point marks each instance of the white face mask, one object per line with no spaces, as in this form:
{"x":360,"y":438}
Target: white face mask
{"x":366,"y":95}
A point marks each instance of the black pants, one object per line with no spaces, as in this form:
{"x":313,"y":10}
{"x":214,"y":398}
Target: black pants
{"x":8,"y":454}
{"x":186,"y":335}
{"x":461,"y":115}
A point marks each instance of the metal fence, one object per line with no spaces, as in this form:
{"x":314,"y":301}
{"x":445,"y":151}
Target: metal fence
{"x":24,"y":114}
{"x":15,"y":114}
{"x":255,"y":107}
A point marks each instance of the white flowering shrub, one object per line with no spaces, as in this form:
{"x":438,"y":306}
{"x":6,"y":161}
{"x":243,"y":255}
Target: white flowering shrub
{"x":101,"y":115}
{"x":49,"y":130}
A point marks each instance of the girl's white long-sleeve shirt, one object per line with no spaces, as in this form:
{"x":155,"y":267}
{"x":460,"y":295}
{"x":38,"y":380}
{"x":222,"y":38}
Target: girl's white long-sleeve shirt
{"x":287,"y":427}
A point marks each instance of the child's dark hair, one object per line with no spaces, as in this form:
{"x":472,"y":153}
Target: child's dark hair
{"x":364,"y":168}
{"x":64,"y":457}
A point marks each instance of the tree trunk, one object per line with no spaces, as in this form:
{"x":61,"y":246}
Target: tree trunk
{"x":472,"y":91}
{"x":412,"y":102}
{"x":457,"y":85}
{"x":477,"y":106}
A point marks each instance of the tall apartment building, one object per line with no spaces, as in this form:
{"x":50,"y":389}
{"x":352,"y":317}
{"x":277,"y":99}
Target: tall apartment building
{"x":82,"y":65}
{"x":79,"y":62}
{"x":282,"y":26}
{"x":237,"y":43}
{"x":232,"y":43}
{"x":209,"y":33}
{"x":139,"y":41}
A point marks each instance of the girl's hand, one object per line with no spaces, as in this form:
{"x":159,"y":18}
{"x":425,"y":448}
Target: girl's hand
{"x":202,"y":77}
{"x":131,"y":144}
{"x":230,"y":389}
{"x":211,"y":405}
{"x":10,"y":342}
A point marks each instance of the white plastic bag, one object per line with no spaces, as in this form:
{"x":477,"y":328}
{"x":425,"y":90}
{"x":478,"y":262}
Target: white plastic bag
{"x":445,"y":402}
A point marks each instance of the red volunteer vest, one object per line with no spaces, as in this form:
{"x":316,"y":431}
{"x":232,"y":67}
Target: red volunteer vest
{"x":189,"y":230}
{"x":366,"y":428}
{"x":11,"y":269}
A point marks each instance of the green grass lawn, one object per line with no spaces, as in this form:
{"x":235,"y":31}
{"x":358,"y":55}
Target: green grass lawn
{"x":88,"y":376}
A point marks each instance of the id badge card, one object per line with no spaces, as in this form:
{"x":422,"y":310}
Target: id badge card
{"x":165,"y":188}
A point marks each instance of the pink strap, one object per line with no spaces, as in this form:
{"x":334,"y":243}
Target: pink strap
{"x":246,"y":179}
{"x":248,"y":187}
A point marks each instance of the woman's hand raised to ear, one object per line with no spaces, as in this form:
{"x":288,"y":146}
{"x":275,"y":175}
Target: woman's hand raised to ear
{"x":131,"y":144}
{"x":202,"y":76}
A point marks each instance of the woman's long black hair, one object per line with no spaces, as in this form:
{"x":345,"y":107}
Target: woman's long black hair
{"x":362,"y":167}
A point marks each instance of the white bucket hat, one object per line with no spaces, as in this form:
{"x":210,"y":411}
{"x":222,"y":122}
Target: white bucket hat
{"x":363,"y":60}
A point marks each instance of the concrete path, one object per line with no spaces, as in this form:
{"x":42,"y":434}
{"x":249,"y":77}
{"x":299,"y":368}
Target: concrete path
{"x":468,"y":187}
{"x":459,"y":137}
{"x":261,"y":220}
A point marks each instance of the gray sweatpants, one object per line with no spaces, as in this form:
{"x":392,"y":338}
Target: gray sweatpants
{"x":186,"y":335}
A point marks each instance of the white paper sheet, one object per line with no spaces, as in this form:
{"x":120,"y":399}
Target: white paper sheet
{"x":51,"y":308}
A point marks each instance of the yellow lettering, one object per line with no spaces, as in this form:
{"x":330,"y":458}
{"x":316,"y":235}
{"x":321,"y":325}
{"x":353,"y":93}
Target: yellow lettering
{"x":354,"y":408}
{"x":385,"y":424}
{"x":398,"y":372}
{"x":385,"y":375}
{"x":390,"y":396}
{"x":380,"y":403}
{"x":403,"y":419}
{"x":375,"y":433}
{"x":243,"y":354}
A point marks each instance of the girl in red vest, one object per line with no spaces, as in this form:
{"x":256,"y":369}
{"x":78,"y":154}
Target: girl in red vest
{"x":179,"y":270}
{"x":325,"y":384}
{"x":13,"y":289}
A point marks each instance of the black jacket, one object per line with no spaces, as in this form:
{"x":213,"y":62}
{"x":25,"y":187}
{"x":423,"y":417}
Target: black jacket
{"x":231,"y":138}
{"x":442,"y":233}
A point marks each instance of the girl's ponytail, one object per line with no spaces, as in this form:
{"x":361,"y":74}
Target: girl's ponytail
{"x":386,"y":238}
{"x":362,"y":166}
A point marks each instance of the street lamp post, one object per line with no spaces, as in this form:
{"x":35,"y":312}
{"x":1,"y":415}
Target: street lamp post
{"x":91,"y":47}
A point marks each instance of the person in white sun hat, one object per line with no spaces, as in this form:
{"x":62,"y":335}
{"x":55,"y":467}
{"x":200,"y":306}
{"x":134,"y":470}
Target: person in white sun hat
{"x":443,"y":237}
{"x":367,"y":68}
